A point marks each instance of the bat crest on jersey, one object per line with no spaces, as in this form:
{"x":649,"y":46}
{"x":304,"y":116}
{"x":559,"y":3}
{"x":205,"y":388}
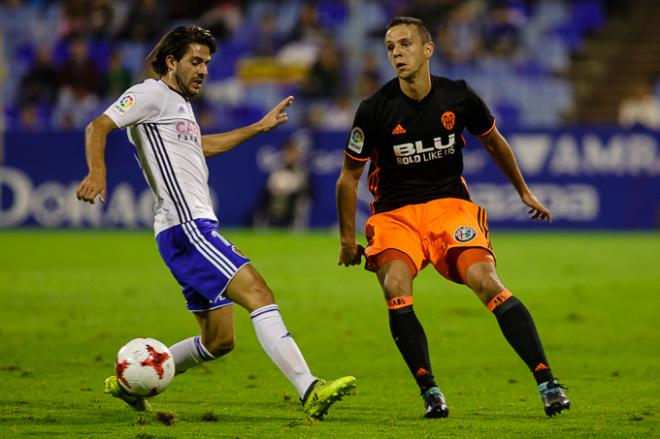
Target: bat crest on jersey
{"x":356,"y":141}
{"x":416,"y":152}
{"x":448,"y":119}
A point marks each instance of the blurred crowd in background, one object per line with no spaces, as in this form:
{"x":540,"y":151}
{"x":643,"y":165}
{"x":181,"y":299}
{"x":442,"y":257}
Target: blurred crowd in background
{"x":65,"y":61}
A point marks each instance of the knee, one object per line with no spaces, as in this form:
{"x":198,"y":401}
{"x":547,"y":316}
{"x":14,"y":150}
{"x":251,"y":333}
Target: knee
{"x":485,"y":284}
{"x":249,"y":290}
{"x":395,"y":286}
{"x":221,"y":345}
{"x":483,"y":280}
{"x":260,"y":294}
{"x":254,"y":296}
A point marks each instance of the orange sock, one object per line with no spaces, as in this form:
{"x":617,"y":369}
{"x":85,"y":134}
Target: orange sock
{"x":498,"y":300}
{"x":399,"y":302}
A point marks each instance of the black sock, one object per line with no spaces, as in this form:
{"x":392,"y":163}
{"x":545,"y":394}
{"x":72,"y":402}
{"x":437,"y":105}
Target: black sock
{"x":409,"y":337}
{"x":518,"y":328}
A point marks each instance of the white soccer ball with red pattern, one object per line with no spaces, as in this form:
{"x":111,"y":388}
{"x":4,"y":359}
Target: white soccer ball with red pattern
{"x":144,"y":367}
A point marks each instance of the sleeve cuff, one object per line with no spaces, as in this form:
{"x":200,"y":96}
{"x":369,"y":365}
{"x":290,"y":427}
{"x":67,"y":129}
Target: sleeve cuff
{"x":113,"y":118}
{"x":356,"y":158}
{"x":487,"y":131}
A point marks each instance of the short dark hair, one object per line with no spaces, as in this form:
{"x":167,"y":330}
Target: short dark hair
{"x":421,"y":27}
{"x":176,"y":42}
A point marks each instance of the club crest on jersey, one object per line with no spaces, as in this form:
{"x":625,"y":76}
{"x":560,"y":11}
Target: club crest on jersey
{"x":448,"y":119}
{"x":464,"y":234}
{"x":124,"y":104}
{"x":356,"y":141}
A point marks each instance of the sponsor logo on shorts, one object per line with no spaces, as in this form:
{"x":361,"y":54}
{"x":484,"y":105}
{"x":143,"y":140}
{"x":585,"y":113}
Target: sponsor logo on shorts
{"x":124,"y":104}
{"x":464,"y":234}
{"x":448,"y":119}
{"x":356,"y":141}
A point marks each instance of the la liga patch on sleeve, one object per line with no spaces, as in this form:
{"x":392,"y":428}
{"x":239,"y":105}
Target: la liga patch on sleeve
{"x":356,"y":141}
{"x":124,"y":103}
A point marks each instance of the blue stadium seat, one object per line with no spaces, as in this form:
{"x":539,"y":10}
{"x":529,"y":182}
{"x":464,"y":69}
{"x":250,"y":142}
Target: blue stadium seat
{"x":523,"y":88}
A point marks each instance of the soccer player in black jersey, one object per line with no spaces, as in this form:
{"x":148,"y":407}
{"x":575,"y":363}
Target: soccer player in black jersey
{"x":411,"y":131}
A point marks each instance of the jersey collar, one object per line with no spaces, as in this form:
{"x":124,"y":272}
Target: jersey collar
{"x":174,"y":90}
{"x":413,"y":101}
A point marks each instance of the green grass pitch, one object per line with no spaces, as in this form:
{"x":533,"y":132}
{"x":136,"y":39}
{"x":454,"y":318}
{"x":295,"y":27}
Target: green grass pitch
{"x":69,"y":300}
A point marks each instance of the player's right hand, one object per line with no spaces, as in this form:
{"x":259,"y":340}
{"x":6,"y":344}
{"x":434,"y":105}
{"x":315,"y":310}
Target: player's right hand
{"x":350,"y":255}
{"x":92,"y":186}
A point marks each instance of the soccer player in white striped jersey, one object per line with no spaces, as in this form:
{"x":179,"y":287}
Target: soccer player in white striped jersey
{"x":211,"y":271}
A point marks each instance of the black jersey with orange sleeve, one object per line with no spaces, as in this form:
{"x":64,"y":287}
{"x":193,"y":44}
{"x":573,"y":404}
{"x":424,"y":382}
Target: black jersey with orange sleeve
{"x":416,"y":147}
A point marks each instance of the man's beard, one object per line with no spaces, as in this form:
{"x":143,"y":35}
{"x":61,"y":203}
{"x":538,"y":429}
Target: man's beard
{"x":185,"y":91}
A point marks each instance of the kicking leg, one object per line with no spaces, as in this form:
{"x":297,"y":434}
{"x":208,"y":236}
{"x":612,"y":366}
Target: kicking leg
{"x":395,"y":276}
{"x":477,"y":269}
{"x":249,"y":290}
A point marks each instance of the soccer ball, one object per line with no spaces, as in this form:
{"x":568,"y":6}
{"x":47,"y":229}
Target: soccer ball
{"x":144,"y":367}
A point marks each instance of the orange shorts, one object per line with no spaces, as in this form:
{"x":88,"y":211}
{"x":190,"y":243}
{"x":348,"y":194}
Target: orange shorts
{"x":429,"y":233}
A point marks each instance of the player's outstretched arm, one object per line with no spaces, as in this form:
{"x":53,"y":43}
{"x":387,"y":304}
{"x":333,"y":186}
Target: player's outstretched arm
{"x":94,"y":184}
{"x":499,"y":149}
{"x":351,"y":252}
{"x":213,"y":144}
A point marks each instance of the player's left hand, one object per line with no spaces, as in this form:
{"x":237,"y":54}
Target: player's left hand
{"x":276,"y":116}
{"x":537,"y":211}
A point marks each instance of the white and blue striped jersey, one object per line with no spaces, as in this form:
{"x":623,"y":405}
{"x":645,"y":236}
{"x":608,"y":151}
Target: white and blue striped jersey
{"x":162,"y":127}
